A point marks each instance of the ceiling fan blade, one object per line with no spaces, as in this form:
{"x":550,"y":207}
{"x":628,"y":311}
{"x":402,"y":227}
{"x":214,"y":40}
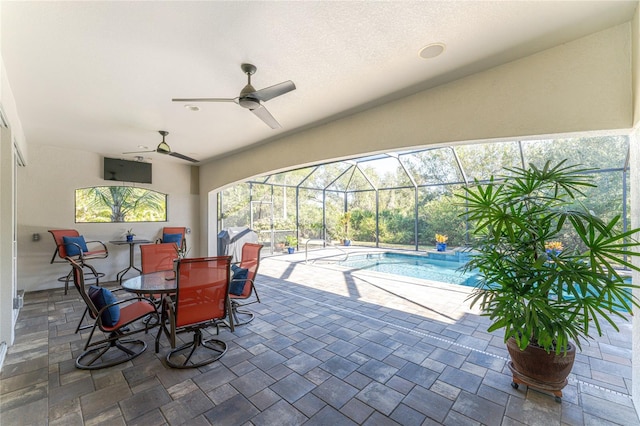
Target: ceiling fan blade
{"x":204,"y":99}
{"x":139,"y":152}
{"x":183,"y":157}
{"x":273,"y":91}
{"x":264,"y":115}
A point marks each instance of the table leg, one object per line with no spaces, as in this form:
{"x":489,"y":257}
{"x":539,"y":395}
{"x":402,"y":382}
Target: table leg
{"x":122,"y":273}
{"x":232,"y":328}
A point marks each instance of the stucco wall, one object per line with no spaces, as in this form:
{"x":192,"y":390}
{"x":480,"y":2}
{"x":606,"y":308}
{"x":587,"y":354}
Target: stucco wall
{"x":47,"y":190}
{"x":7,"y":215}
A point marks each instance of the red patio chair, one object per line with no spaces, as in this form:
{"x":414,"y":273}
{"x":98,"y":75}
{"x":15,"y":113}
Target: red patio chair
{"x":79,"y":250}
{"x":242,"y":289}
{"x":201,"y":301}
{"x":169,"y":235}
{"x":113,"y":318}
{"x":157,"y":257}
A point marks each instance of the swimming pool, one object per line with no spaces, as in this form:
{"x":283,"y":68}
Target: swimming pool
{"x":434,"y":267}
{"x":445,"y":268}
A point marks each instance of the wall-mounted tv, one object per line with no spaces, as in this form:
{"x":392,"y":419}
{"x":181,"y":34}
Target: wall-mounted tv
{"x":126,"y":171}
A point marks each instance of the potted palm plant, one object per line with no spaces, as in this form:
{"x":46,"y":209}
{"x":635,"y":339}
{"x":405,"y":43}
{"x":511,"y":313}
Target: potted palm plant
{"x":550,"y":271}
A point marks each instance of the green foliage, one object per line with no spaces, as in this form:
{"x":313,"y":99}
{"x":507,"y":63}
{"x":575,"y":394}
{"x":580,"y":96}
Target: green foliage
{"x":235,"y":205}
{"x":364,"y":225}
{"x":397,"y":226}
{"x":345,"y":222}
{"x":547,"y":298}
{"x":290,"y":241}
{"x":442,"y":215}
{"x":483,"y":160}
{"x":120,"y":204}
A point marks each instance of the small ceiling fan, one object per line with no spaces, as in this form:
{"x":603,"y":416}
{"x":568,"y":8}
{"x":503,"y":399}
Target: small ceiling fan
{"x":164,"y":148}
{"x":251,"y":98}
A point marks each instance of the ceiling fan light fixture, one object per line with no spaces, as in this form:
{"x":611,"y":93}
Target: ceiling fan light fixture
{"x":163,"y":148}
{"x":249,"y":102}
{"x":432,"y":50}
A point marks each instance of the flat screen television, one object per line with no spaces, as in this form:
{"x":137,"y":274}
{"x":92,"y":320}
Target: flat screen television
{"x":126,"y":171}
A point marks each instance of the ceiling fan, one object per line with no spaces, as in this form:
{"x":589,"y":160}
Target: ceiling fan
{"x":251,"y":98}
{"x":164,"y":148}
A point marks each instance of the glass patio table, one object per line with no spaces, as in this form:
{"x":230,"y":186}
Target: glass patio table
{"x":161,"y":282}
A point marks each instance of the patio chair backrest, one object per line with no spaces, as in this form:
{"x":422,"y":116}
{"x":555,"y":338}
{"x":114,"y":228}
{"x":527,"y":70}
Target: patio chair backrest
{"x":158,"y":257}
{"x":251,"y":261}
{"x":202,"y":289}
{"x":78,"y":281}
{"x":176,"y":230}
{"x":58,"y":236}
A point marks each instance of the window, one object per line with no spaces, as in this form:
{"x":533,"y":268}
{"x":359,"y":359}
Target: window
{"x":120,"y":204}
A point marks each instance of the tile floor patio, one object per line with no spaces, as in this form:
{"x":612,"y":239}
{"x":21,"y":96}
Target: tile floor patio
{"x":328,"y":347}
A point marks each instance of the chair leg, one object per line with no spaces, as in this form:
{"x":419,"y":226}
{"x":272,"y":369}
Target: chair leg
{"x":92,"y":359}
{"x":247,"y":316}
{"x":161,"y":328}
{"x":157,"y":348}
{"x":66,"y":283}
{"x":235,"y":311}
{"x":218,"y":347}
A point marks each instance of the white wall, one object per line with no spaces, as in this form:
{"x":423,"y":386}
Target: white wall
{"x":7,"y":220}
{"x":7,"y":289}
{"x":47,"y":190}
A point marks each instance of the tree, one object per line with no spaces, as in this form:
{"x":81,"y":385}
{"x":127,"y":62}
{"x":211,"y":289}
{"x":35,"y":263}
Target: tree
{"x":119,"y":204}
{"x":442,"y":216}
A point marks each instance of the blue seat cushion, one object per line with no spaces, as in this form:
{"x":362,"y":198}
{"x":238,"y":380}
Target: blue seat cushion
{"x":71,"y":247}
{"x":102,"y":297}
{"x":172,"y":238}
{"x":238,"y":280}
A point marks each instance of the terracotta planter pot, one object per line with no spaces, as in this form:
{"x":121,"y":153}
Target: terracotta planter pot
{"x":536,"y":368}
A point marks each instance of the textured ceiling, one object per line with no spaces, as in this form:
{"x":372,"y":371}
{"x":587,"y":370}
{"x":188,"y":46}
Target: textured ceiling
{"x":100,"y":76}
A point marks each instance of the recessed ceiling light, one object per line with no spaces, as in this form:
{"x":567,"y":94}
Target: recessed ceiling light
{"x":432,"y":50}
{"x":192,"y":107}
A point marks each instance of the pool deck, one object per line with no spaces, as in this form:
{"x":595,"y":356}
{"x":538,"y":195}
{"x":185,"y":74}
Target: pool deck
{"x":329,"y":346}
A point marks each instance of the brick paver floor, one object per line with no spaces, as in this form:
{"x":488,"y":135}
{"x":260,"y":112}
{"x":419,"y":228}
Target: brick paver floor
{"x":328,"y":346}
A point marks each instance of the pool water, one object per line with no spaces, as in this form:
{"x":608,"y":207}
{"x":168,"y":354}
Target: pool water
{"x":436,"y":267}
